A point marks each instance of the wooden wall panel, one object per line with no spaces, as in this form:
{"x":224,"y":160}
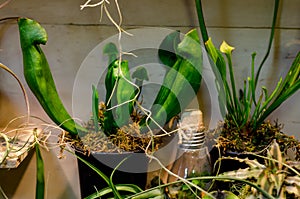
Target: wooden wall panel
{"x":74,"y":33}
{"x":220,"y":13}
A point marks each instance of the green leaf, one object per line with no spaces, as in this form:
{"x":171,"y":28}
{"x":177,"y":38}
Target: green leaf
{"x":155,"y":194}
{"x":224,"y":194}
{"x":98,"y":171}
{"x":130,"y":188}
{"x":95,"y":109}
{"x":201,"y":20}
{"x":111,"y":51}
{"x":292,"y":76}
{"x":190,"y":45}
{"x":168,"y":47}
{"x":175,"y":93}
{"x":39,"y":78}
{"x":217,"y":58}
{"x":278,"y":101}
{"x":40,"y":181}
{"x":275,"y":14}
{"x":140,"y":74}
{"x":125,"y":94}
{"x":252,"y":85}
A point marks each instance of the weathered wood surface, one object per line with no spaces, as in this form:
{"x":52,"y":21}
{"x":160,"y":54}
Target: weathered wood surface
{"x":74,"y":33}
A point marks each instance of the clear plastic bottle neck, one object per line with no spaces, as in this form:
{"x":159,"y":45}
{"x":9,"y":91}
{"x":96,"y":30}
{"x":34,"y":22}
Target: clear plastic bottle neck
{"x":193,"y":140}
{"x":191,"y":130}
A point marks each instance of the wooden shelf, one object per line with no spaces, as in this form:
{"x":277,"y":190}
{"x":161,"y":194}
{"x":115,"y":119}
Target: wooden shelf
{"x":20,"y":143}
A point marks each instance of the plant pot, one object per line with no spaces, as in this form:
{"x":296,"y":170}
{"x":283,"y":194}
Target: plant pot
{"x":132,"y":171}
{"x":227,"y":165}
{"x":230,"y":164}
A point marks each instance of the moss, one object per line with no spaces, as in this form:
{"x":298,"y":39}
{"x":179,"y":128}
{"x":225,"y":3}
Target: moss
{"x":127,"y":138}
{"x":235,"y":139}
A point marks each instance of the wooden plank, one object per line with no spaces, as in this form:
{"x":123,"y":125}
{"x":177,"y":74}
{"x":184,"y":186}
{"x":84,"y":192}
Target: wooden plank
{"x":20,"y":142}
{"x":218,"y":13}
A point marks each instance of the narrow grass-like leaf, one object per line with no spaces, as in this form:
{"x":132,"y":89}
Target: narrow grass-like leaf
{"x":122,"y":187}
{"x":275,"y":14}
{"x":265,"y":92}
{"x":292,"y":76}
{"x":256,"y":113}
{"x":40,"y":181}
{"x":290,"y":91}
{"x":98,"y":171}
{"x":111,"y":184}
{"x":269,"y":99}
{"x":130,"y":188}
{"x":246,"y":104}
{"x":95,"y":108}
{"x":232,"y":82}
{"x":283,"y":90}
{"x":155,"y":194}
{"x":252,"y":84}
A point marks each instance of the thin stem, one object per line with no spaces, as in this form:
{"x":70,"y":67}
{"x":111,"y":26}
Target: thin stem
{"x":270,"y":40}
{"x":232,"y":81}
{"x":201,"y":20}
{"x":252,"y":82}
{"x":111,"y":184}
